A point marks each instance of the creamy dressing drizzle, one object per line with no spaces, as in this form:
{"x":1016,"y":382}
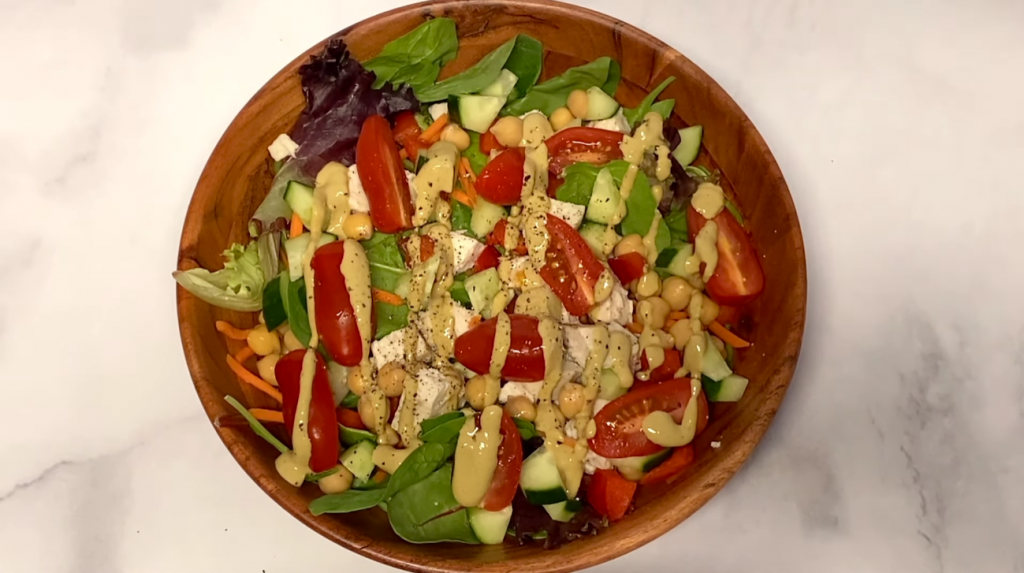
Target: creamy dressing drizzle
{"x":332,"y":180}
{"x":436,"y":175}
{"x":476,"y":457}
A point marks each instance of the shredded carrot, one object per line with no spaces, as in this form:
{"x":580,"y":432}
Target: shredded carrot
{"x":669,"y":323}
{"x":678,"y":314}
{"x":254,"y":380}
{"x":467,"y":186}
{"x":571,"y":442}
{"x":229,"y":330}
{"x":403,"y":153}
{"x":468,"y":169}
{"x":244,"y":354}
{"x":382,"y":295}
{"x":433,"y":133}
{"x":296,"y":227}
{"x":727,"y":336}
{"x":475,"y":320}
{"x":461,"y":197}
{"x":635,"y":327}
{"x":264,"y":415}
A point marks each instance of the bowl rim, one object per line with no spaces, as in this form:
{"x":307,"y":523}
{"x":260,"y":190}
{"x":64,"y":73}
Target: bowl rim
{"x":731,"y":460}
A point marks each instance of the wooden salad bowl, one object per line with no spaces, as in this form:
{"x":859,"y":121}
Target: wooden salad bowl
{"x":238,"y":175}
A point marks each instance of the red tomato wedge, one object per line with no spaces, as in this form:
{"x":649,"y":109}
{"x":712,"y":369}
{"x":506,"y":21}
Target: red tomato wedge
{"x":667,"y":370}
{"x":611,"y":494}
{"x":571,"y":268}
{"x":335,"y":316}
{"x":582,"y":144}
{"x":620,"y":432}
{"x":510,"y":465}
{"x":738,"y":278}
{"x":525,"y":360}
{"x":427,"y":247}
{"x":489,"y":258}
{"x":350,"y":418}
{"x":680,"y":459}
{"x":489,"y":142}
{"x":628,"y":267}
{"x":407,"y":134}
{"x":554,"y":182}
{"x":323,"y":422}
{"x":383,"y":177}
{"x":501,"y":181}
{"x":497,"y":237}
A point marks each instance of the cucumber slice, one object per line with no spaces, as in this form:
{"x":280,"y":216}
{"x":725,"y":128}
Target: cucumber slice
{"x":564,"y":510}
{"x":485,"y":216}
{"x":482,"y":288}
{"x":359,"y":459}
{"x":729,"y":389}
{"x":300,"y":198}
{"x":352,"y":436}
{"x":611,"y":387}
{"x":714,"y":366}
{"x":673,"y":259}
{"x":600,"y":105}
{"x":490,"y":526}
{"x":605,"y":199}
{"x":295,"y":248}
{"x":689,"y":144}
{"x":475,"y":112}
{"x":635,"y":468}
{"x":502,"y":86}
{"x":600,"y":237}
{"x":540,"y":480}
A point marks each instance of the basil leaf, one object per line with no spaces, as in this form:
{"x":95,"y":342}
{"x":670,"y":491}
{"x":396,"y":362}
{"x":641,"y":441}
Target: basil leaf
{"x":256,"y":426}
{"x":387,"y":266}
{"x":432,"y":423}
{"x":677,"y":226}
{"x":352,"y":436}
{"x":390,"y":318}
{"x":640,"y":208}
{"x":444,"y":432}
{"x":347,"y":502}
{"x":525,"y":62}
{"x":462,"y":217}
{"x":527,"y":430}
{"x":476,"y":78}
{"x":420,"y":464}
{"x":552,"y":94}
{"x":477,"y":158}
{"x":416,"y":58}
{"x":427,"y":512}
{"x":636,"y":114}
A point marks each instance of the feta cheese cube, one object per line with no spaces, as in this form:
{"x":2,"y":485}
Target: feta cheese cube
{"x":616,"y":122}
{"x":391,"y":348}
{"x":569,"y":212}
{"x":282,"y":147}
{"x":593,"y":462}
{"x":433,"y":395}
{"x":599,"y":404}
{"x":568,"y":318}
{"x":357,"y":200}
{"x":466,"y":250}
{"x":529,"y":389}
{"x":437,"y":110}
{"x":616,"y":308}
{"x":579,"y":344}
{"x":463,"y":316}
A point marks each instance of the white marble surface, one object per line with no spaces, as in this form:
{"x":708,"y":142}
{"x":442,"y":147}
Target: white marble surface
{"x":899,"y":126}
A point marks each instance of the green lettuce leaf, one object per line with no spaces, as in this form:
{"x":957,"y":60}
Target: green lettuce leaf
{"x":525,"y":62}
{"x":390,"y":318}
{"x":636,"y":114}
{"x":477,"y":159}
{"x":580,"y":178}
{"x":417,"y":57}
{"x":476,"y":78}
{"x":640,"y":208}
{"x":387,"y":266}
{"x":238,"y":286}
{"x":462,"y":217}
{"x":677,"y":226}
{"x":603,"y":72}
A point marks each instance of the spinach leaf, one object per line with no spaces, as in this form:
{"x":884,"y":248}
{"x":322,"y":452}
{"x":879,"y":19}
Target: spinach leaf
{"x":274,"y":314}
{"x":477,"y":159}
{"x":420,"y":464}
{"x":640,"y":208}
{"x":664,"y":107}
{"x":352,"y":436}
{"x":295,"y":308}
{"x":459,"y":292}
{"x":446,"y":431}
{"x":476,"y":78}
{"x":387,"y":267}
{"x":677,"y":226}
{"x":370,"y":483}
{"x":320,"y":475}
{"x":390,"y":317}
{"x":416,"y":58}
{"x":580,"y":178}
{"x":552,"y":94}
{"x":636,"y":114}
{"x":526,"y":428}
{"x":348,"y":501}
{"x":351,"y":401}
{"x":663,"y":238}
{"x":256,"y":426}
{"x":462,"y":217}
{"x":432,"y":423}
{"x":427,"y":512}
{"x":525,"y":62}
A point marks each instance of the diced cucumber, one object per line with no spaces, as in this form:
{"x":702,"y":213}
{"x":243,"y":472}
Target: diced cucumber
{"x":300,"y":198}
{"x":611,"y":387}
{"x":485,"y":216}
{"x":634,"y":468}
{"x":540,"y":480}
{"x":352,"y":436}
{"x":429,"y":274}
{"x":475,"y":112}
{"x":604,"y":201}
{"x":502,"y":86}
{"x":599,"y":236}
{"x":337,"y":375}
{"x":490,"y":526}
{"x":673,"y":259}
{"x":359,"y":459}
{"x":482,"y":288}
{"x":729,"y":389}
{"x":689,"y":144}
{"x":295,"y":248}
{"x":564,"y":510}
{"x":714,"y":366}
{"x":600,"y":105}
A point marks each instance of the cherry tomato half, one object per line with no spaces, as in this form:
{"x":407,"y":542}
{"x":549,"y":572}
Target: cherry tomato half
{"x":350,"y":418}
{"x":323,"y":422}
{"x":510,"y":465}
{"x":611,"y":494}
{"x":407,"y":134}
{"x":667,"y":369}
{"x":501,"y":181}
{"x":620,"y":432}
{"x":383,"y":177}
{"x":680,"y":459}
{"x":489,"y":142}
{"x":738,"y":278}
{"x":571,"y":268}
{"x":497,"y":237}
{"x":582,"y":144}
{"x":335,"y":316}
{"x":489,"y":258}
{"x":628,"y":267}
{"x":525,"y":360}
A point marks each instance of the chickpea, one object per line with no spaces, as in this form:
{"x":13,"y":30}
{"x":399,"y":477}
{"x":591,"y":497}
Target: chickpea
{"x":676,"y":292}
{"x":631,"y":244}
{"x":560,"y":118}
{"x":718,"y":344}
{"x":571,"y":399}
{"x":508,"y":131}
{"x":521,"y":407}
{"x":579,"y":103}
{"x":291,"y":342}
{"x":366,"y":411}
{"x":456,"y":135}
{"x":708,"y":311}
{"x":357,"y":226}
{"x":391,"y":379}
{"x":648,"y":285}
{"x":652,"y":312}
{"x":476,"y":392}
{"x":263,"y":342}
{"x":338,"y":482}
{"x":266,"y":365}
{"x":681,"y":333}
{"x":356,"y":384}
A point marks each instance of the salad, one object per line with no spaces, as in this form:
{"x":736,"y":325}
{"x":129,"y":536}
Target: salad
{"x":490,"y":306}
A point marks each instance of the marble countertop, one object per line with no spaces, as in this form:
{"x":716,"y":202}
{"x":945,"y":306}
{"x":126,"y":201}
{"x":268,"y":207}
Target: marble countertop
{"x":900,"y":129}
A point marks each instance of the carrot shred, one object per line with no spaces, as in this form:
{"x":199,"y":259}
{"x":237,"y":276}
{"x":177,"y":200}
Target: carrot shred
{"x":382,"y":295}
{"x":461,"y":197}
{"x":468,"y":169}
{"x":229,"y":330}
{"x":467,"y":186}
{"x":264,"y":415}
{"x":678,"y":314}
{"x":475,"y":320}
{"x":635,"y":327}
{"x":571,"y":442}
{"x":296,"y":227}
{"x":727,"y":336}
{"x":244,"y":354}
{"x":253,"y":380}
{"x":433,"y":133}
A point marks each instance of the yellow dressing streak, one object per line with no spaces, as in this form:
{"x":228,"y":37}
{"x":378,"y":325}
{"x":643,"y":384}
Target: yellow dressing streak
{"x":437,"y":175}
{"x":502,"y":342}
{"x":651,"y":239}
{"x":661,"y":429}
{"x":604,"y":286}
{"x":706,"y":248}
{"x":332,"y":180}
{"x":620,"y":347}
{"x":407,"y":427}
{"x":708,"y":200}
{"x":476,"y":457}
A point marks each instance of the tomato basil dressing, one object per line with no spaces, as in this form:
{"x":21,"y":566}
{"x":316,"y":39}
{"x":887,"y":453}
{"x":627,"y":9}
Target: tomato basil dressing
{"x":487,"y":263}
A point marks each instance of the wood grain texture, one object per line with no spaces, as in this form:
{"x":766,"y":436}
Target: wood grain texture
{"x":238,"y":175}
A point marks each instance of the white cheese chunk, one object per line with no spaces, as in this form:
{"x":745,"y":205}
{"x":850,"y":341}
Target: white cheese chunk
{"x":437,"y":110}
{"x":593,"y":462}
{"x":357,"y":200}
{"x":463,"y":316}
{"x":529,"y":389}
{"x":599,"y":404}
{"x":466,"y":250}
{"x":282,"y":147}
{"x":433,"y":393}
{"x":616,"y":308}
{"x":569,"y":212}
{"x":616,"y":122}
{"x":579,"y":344}
{"x":391,"y":348}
